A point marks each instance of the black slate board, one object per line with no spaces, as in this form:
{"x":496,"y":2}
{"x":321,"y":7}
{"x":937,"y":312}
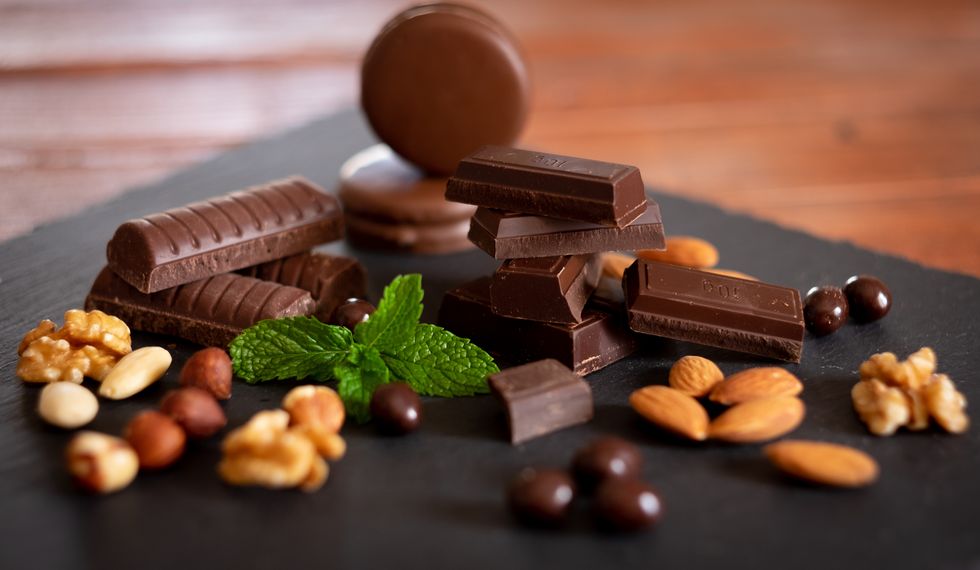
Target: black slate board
{"x":434,"y":499}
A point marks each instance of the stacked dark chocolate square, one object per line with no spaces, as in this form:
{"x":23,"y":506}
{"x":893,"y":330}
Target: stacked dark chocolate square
{"x":548,"y":217}
{"x":208,"y":270}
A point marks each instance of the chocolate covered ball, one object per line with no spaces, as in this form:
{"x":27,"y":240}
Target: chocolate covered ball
{"x":541,"y":497}
{"x":627,"y":505}
{"x":351,"y":313}
{"x":824,"y":310}
{"x":606,"y":458}
{"x":396,"y":408}
{"x":868,"y":298}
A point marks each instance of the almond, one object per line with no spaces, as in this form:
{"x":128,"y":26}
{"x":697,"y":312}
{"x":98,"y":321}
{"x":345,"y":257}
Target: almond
{"x":614,"y":264}
{"x":756,"y":384}
{"x":684,"y":250}
{"x":823,"y":463}
{"x":732,"y":273}
{"x":758,"y":420}
{"x":672,"y":410}
{"x":694,"y":376}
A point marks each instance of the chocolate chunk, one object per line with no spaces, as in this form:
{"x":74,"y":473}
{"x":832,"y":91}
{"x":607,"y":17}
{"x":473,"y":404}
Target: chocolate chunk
{"x":547,"y":289}
{"x":601,"y":339}
{"x":868,"y":298}
{"x":330,"y":279}
{"x":542,"y":397}
{"x":549,"y":185}
{"x":210,"y":311}
{"x":715,"y":310}
{"x":422,"y":239}
{"x":506,"y":235}
{"x":824,"y":310}
{"x":223,"y":234}
{"x":376,"y":184}
{"x":440,"y":80}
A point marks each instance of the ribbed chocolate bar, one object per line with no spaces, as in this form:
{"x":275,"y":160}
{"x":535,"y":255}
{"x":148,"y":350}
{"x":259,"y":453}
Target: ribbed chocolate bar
{"x":223,"y":234}
{"x":548,"y":289}
{"x":210,"y":311}
{"x":542,"y":397}
{"x":549,"y":185}
{"x":601,"y":339}
{"x":706,"y":308}
{"x":330,"y":279}
{"x":508,"y":235}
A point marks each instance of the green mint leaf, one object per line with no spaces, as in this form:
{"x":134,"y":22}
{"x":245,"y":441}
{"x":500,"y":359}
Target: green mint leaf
{"x":435,"y":362}
{"x":293,"y":347}
{"x":359,"y":375}
{"x":397,"y":314}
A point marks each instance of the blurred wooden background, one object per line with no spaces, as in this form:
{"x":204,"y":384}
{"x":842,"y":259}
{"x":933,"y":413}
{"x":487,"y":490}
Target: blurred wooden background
{"x":850,"y":119}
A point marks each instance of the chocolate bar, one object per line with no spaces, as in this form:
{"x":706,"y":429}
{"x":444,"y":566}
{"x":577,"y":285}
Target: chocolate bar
{"x":223,"y":234}
{"x":601,"y":339}
{"x":549,"y":185}
{"x":330,"y":279}
{"x":506,"y":235}
{"x":210,"y":311}
{"x":548,"y":289}
{"x":714,"y":310}
{"x":542,"y":397}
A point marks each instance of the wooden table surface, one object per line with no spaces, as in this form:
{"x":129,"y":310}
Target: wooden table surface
{"x":856,"y":120}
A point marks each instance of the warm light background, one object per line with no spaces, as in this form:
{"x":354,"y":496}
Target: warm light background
{"x":850,"y":119}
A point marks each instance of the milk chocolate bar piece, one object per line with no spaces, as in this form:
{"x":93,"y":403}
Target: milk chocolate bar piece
{"x":548,"y":289}
{"x":211,"y":311}
{"x":330,"y":279}
{"x":542,"y":397}
{"x":507,"y":235}
{"x":223,"y":234}
{"x":549,"y":185}
{"x":601,"y":339}
{"x":705,"y":308}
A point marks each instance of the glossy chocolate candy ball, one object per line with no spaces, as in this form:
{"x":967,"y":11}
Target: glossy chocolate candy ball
{"x":352,"y":312}
{"x":396,"y":408}
{"x":541,"y":497}
{"x":606,"y":458}
{"x":824,"y":310}
{"x":868,"y":298}
{"x":627,"y":505}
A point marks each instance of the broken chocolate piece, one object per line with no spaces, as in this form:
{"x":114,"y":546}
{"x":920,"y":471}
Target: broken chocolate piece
{"x":330,"y":279}
{"x":507,"y":235}
{"x":715,"y":310}
{"x":223,"y":234}
{"x":601,"y":339}
{"x":549,"y":185}
{"x":210,"y":311}
{"x":542,"y":397}
{"x":547,"y":289}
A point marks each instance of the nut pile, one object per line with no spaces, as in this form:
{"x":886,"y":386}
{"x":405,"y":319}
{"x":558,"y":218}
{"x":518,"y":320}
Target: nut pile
{"x":893,"y":394}
{"x":88,"y":344}
{"x":764,"y":403}
{"x":287,"y":447}
{"x":680,"y":250}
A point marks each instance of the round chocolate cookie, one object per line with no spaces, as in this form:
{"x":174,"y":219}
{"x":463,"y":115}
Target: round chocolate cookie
{"x":377,"y":184}
{"x":423,"y":239}
{"x":442,"y":80}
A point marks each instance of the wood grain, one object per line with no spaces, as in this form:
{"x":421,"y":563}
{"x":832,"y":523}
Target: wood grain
{"x":855,"y":120}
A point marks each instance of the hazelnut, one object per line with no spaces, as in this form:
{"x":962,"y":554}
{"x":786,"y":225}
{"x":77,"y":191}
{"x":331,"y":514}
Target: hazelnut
{"x":209,"y":369}
{"x":157,"y":439}
{"x":101,"y":463}
{"x":316,"y":407}
{"x":195,"y":410}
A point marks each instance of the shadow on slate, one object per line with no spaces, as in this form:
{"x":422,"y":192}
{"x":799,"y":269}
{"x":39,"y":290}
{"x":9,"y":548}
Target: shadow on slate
{"x":434,"y":499}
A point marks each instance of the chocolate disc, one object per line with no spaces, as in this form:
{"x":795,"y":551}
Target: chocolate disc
{"x":375,"y":183}
{"x":442,"y":80}
{"x":412,"y":238}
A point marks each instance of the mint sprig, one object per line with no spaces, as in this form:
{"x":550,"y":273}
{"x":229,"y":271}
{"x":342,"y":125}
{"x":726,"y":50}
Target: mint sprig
{"x":390,"y":345}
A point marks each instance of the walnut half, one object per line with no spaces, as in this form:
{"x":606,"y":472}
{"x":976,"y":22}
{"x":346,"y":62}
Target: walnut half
{"x":89,"y":344}
{"x":882,"y":408}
